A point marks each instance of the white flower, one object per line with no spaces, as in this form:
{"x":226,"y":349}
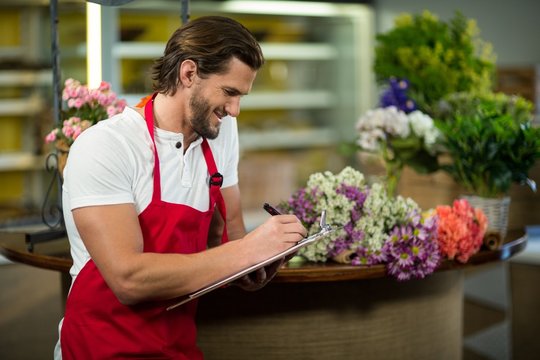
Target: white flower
{"x":396,"y":122}
{"x":370,"y":141}
{"x":374,"y":126}
{"x":424,"y":127}
{"x":420,"y":123}
{"x":379,"y":213}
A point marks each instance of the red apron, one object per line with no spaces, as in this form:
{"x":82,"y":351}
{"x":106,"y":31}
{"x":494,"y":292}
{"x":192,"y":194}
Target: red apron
{"x":97,"y":326}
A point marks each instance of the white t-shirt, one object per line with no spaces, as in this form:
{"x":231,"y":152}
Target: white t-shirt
{"x":115,"y":162}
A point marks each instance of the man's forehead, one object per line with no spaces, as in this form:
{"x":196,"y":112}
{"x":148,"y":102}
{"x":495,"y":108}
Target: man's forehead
{"x":238,"y":77}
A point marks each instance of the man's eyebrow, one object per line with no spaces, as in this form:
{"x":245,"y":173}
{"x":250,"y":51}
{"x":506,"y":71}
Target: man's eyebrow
{"x":233,"y":91}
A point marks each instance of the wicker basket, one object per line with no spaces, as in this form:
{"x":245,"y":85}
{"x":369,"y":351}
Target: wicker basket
{"x":496,"y":210}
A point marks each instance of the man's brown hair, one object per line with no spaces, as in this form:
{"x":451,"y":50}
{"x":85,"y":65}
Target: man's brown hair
{"x":211,"y":42}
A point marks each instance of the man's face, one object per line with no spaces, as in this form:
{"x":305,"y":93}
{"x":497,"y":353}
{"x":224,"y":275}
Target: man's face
{"x":217,"y":96}
{"x":201,"y":117}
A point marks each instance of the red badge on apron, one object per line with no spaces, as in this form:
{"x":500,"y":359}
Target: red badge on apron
{"x":97,"y":326}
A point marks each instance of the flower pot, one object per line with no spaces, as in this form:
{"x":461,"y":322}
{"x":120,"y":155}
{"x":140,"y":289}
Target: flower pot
{"x":496,"y":210}
{"x":62,"y":152}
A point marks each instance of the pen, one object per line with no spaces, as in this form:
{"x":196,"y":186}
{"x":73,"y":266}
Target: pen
{"x":270,"y":209}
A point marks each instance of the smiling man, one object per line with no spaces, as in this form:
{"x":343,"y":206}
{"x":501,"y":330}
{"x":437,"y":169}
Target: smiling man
{"x":139,"y":196}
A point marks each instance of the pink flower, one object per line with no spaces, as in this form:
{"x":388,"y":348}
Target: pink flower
{"x":76,"y":132}
{"x":51,"y":137}
{"x":92,"y":105}
{"x":104,"y":86}
{"x":461,"y":230}
{"x":67,"y":131}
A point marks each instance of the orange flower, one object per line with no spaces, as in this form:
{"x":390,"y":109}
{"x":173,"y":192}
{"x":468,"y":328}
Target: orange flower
{"x":461,"y":230}
{"x":143,"y":101}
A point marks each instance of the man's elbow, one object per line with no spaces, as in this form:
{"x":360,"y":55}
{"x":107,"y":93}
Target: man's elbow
{"x":126,"y":290}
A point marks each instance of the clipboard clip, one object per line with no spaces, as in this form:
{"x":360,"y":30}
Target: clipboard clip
{"x":324,"y":229}
{"x":322,"y":223}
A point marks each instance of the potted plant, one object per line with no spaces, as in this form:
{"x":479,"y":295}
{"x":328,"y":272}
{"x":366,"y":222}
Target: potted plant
{"x":399,"y":134}
{"x":492,"y":144}
{"x":83,"y":107}
{"x":400,"y":139}
{"x":436,"y":57}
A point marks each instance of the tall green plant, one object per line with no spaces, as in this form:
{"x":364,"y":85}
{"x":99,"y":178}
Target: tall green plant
{"x":437,"y":58}
{"x":491,"y":141}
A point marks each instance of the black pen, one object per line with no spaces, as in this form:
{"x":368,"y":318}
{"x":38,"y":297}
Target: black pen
{"x":270,"y":209}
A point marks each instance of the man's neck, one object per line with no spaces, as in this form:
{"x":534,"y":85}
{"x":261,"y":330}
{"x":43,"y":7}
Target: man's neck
{"x":169,"y":115}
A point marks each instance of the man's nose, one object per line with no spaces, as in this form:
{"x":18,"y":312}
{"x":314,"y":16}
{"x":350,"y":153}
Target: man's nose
{"x":233,"y":106}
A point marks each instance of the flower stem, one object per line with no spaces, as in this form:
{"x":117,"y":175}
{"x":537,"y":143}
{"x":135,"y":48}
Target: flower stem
{"x":393,"y":174}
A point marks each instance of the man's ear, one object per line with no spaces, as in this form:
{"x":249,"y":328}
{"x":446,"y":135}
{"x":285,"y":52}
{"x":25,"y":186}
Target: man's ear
{"x":188,"y":72}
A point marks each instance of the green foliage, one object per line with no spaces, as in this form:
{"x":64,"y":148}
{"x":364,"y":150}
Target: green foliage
{"x":491,"y":141}
{"x":436,"y":57}
{"x":467,"y":104}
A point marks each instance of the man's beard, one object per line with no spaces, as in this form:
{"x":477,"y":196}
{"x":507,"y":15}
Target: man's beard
{"x":201,"y":118}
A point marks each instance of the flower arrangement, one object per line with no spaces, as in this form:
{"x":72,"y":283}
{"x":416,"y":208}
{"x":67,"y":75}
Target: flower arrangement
{"x":438,"y":58}
{"x":400,"y":139}
{"x":84,"y":107}
{"x":461,"y":230}
{"x":376,"y":228}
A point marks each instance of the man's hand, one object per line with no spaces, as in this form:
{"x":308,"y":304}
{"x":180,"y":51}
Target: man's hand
{"x":260,"y":277}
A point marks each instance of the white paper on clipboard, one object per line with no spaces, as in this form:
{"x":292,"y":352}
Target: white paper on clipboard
{"x":325,"y":230}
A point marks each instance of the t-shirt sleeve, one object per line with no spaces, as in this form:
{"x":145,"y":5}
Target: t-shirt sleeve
{"x":97,"y":170}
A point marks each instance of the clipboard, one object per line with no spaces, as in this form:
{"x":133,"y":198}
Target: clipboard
{"x":325,"y":230}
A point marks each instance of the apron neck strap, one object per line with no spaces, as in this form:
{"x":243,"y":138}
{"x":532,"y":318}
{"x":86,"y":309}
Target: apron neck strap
{"x":215,"y":181}
{"x":149,"y":117}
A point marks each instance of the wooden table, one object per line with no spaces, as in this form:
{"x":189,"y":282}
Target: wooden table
{"x":54,"y":255}
{"x":319,"y":311}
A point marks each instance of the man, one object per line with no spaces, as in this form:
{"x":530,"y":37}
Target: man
{"x":139,"y":197}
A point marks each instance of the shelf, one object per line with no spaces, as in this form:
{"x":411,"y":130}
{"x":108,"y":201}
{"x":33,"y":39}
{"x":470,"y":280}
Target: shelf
{"x":283,"y":8}
{"x":138,"y":50}
{"x":19,"y":107}
{"x":298,"y":51}
{"x":269,"y":100}
{"x":25,"y":77}
{"x":272,"y":51}
{"x":286,"y":139}
{"x":17,"y":161}
{"x":11,"y":52}
{"x":300,"y":99}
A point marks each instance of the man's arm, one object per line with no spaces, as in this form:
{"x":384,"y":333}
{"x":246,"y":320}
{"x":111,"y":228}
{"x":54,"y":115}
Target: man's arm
{"x":114,"y":240}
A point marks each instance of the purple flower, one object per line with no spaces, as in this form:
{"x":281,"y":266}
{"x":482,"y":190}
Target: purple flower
{"x":340,"y":244}
{"x":356,"y":195}
{"x":302,"y":204}
{"x":396,"y":95}
{"x":412,"y":250}
{"x":363,"y":256}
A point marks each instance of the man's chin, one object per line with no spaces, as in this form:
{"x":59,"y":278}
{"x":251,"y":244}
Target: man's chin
{"x":211,"y":135}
